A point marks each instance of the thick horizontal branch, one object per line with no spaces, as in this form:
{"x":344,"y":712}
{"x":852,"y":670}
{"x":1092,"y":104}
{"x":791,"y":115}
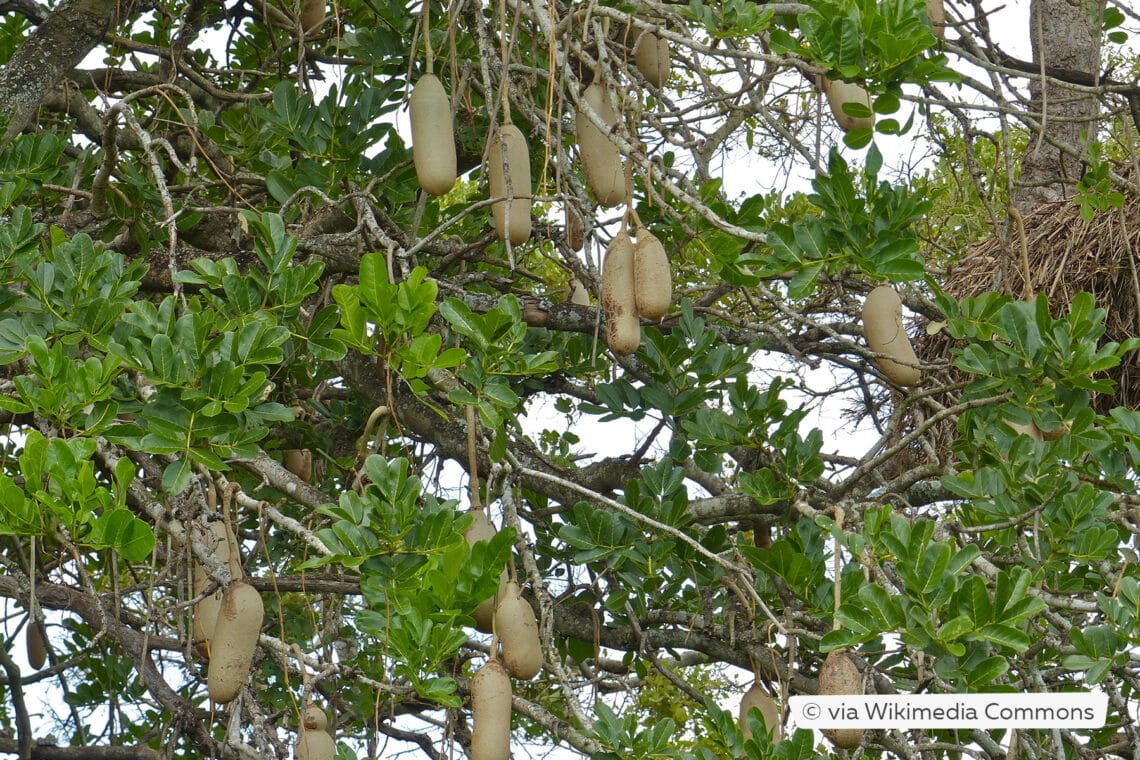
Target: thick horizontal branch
{"x":45,"y":751}
{"x":748,"y":647}
{"x":274,"y":474}
{"x":732,"y":506}
{"x":568,"y":317}
{"x":54,"y":596}
{"x":308,"y":584}
{"x":920,"y":494}
{"x":1071,"y":76}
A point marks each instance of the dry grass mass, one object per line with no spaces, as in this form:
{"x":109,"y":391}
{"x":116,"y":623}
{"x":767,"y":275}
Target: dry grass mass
{"x":1062,"y":256}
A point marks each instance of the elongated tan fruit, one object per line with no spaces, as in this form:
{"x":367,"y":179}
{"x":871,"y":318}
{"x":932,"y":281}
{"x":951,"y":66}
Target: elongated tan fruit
{"x":578,"y":293}
{"x":757,"y":697}
{"x":219,"y":543}
{"x":937,"y":12}
{"x":299,"y":462}
{"x":1030,"y":430}
{"x":623,"y":330}
{"x":315,"y":745}
{"x":575,"y":237}
{"x":517,"y":629}
{"x":491,"y":713}
{"x":433,"y":136}
{"x":312,"y":13}
{"x":314,"y":719}
{"x":510,"y":143}
{"x":34,"y":642}
{"x":234,"y":641}
{"x":883,"y":327}
{"x":313,"y":740}
{"x":601,"y":159}
{"x":652,"y":279}
{"x":653,"y":58}
{"x":840,"y":92}
{"x":481,"y":529}
{"x":839,"y":675}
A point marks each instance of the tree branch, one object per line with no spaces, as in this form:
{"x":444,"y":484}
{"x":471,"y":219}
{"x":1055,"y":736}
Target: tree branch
{"x":29,"y":8}
{"x":43,"y":751}
{"x":449,"y":436}
{"x":742,"y":653}
{"x":135,"y":644}
{"x":23,"y":744}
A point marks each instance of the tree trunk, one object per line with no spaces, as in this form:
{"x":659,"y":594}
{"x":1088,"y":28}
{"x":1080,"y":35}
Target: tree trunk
{"x":1065,"y":34}
{"x":54,"y":48}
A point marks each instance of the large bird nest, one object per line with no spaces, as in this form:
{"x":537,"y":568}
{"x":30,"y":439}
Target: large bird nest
{"x":1062,"y":256}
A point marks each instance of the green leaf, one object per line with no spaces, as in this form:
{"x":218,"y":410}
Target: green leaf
{"x":177,"y":475}
{"x":373,"y":286}
{"x":14,"y":405}
{"x":859,"y":138}
{"x":464,"y":321}
{"x":440,"y":690}
{"x":1022,"y":609}
{"x":498,"y":449}
{"x":1097,"y":672}
{"x":932,"y":571}
{"x":353,"y":318}
{"x":886,"y":607}
{"x":973,"y":601}
{"x":987,"y":671}
{"x":19,"y":515}
{"x":954,"y":628}
{"x":857,"y":109}
{"x":962,"y":559}
{"x":838,"y":639}
{"x":120,"y":530}
{"x":1019,"y":327}
{"x":1005,"y":636}
{"x":1010,"y":588}
{"x":1096,"y":641}
{"x":33,"y":460}
{"x":803,"y":282}
{"x":886,"y":103}
{"x":811,"y":239}
{"x":873,"y":161}
{"x":855,"y":619}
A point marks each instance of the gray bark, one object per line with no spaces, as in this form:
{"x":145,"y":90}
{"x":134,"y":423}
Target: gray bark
{"x":1065,"y":35}
{"x":53,"y":48}
{"x":53,"y":752}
